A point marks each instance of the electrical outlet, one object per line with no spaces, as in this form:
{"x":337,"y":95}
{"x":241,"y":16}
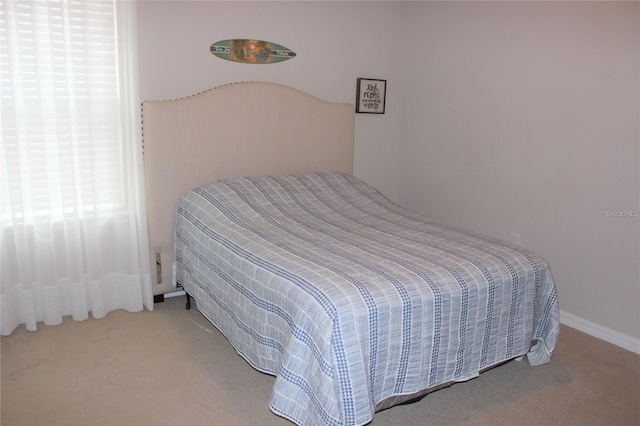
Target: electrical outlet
{"x":515,"y":238}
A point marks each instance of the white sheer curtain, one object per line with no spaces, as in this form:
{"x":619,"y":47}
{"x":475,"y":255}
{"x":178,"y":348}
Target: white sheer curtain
{"x":73,"y":232}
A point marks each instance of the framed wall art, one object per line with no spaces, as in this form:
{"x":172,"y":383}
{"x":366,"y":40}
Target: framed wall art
{"x":371,"y":96}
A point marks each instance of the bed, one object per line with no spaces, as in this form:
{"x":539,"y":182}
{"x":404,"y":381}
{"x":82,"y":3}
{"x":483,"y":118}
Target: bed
{"x":353,"y":303}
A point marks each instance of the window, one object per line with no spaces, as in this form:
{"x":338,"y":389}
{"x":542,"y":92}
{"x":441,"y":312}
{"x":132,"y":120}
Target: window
{"x":60,"y":122}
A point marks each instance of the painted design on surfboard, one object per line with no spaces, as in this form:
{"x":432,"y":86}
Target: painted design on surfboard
{"x":251,"y":51}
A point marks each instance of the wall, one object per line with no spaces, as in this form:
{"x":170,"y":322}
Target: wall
{"x":335,"y":42}
{"x":501,"y":116}
{"x":524,"y":116}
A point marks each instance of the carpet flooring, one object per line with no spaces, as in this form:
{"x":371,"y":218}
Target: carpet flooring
{"x":172,"y":367}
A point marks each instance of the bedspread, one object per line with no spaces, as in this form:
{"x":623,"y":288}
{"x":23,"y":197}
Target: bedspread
{"x":348,"y":299}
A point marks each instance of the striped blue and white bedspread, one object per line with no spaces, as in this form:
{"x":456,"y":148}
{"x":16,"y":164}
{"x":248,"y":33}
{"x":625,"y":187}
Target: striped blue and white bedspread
{"x":348,"y":299}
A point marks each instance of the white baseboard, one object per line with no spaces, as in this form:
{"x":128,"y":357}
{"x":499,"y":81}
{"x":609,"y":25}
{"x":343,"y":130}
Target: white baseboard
{"x":603,"y":333}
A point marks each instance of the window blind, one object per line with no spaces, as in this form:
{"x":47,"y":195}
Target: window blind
{"x":61,"y":144}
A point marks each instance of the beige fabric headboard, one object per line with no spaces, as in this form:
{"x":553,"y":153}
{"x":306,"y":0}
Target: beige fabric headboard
{"x":241,"y":129}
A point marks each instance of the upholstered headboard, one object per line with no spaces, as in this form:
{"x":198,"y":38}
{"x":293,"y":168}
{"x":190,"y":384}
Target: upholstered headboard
{"x":241,"y":129}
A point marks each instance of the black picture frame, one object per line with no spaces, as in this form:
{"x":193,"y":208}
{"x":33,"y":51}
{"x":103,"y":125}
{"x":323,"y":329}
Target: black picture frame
{"x":371,"y":96}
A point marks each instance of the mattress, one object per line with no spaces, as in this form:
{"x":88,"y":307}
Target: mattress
{"x":349,"y":299}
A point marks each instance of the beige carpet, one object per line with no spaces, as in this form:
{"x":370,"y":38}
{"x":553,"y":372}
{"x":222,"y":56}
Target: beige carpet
{"x":172,"y":367}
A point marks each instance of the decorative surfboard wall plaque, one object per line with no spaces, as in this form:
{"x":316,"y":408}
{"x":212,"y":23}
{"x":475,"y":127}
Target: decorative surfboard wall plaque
{"x":251,"y":51}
